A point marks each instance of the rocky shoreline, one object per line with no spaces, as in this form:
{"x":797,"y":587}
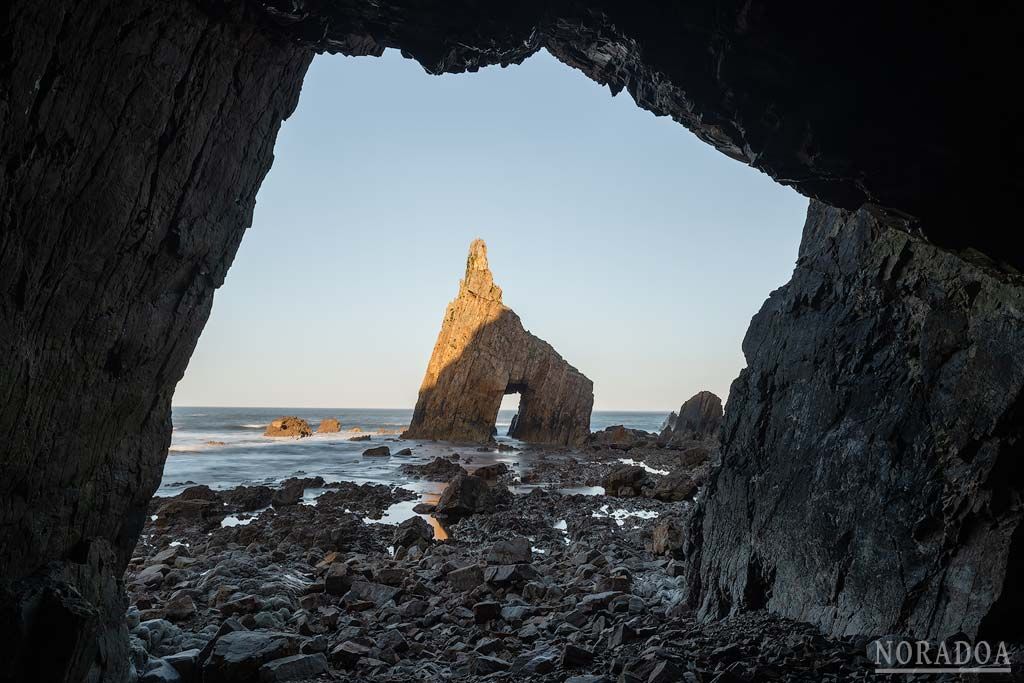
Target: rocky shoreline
{"x":259,"y":584}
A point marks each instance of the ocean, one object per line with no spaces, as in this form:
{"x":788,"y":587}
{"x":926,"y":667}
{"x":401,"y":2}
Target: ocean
{"x":225,"y":447}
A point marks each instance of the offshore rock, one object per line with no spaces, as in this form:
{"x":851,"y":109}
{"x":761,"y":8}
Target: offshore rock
{"x":482,"y":353}
{"x":698,"y":419}
{"x":871,"y":477}
{"x":289,"y":426}
{"x":329,"y":425}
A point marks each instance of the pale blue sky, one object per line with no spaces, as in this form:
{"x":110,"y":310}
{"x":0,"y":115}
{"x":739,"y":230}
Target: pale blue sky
{"x":637,"y":251}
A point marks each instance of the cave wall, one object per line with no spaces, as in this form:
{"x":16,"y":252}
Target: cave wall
{"x":873,"y":449}
{"x":133,"y":139}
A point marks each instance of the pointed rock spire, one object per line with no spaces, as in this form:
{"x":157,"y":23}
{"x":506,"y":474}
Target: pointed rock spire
{"x":482,"y":353}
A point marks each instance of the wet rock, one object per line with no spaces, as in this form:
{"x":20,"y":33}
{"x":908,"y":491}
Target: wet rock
{"x":574,"y":656}
{"x":620,"y":438}
{"x":337,"y":580}
{"x":404,"y":452}
{"x":363,"y":437}
{"x":509,"y":574}
{"x":349,"y":652}
{"x":482,"y":666}
{"x":249,"y":498}
{"x":667,"y":538}
{"x":180,"y":608}
{"x":466,"y":495}
{"x":161,"y":672}
{"x":293,"y":668}
{"x":423,"y":508}
{"x":514,"y":551}
{"x":482,"y":347}
{"x":377,"y":452}
{"x":466,"y":578}
{"x":438,"y":469}
{"x":201,"y":492}
{"x":625,"y":480}
{"x":329,"y":425}
{"x":675,"y":486}
{"x":290,"y":493}
{"x":176,"y":511}
{"x":238,"y":656}
{"x":371,"y":592}
{"x":186,"y":663}
{"x":491,"y":472}
{"x":484,"y":612}
{"x":413,"y":531}
{"x":289,"y":426}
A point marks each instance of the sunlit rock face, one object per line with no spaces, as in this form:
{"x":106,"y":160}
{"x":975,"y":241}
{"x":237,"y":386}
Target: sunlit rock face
{"x":872,"y":469}
{"x":482,"y":353}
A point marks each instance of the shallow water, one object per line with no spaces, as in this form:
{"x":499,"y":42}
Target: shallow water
{"x":225,"y":447}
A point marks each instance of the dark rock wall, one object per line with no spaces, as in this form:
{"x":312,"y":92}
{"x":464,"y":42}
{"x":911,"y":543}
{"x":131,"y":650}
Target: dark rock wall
{"x":133,"y":139}
{"x":873,"y":457}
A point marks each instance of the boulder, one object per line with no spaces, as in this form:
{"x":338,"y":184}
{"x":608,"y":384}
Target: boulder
{"x":329,"y":425}
{"x":289,"y":494}
{"x":514,"y":551}
{"x":625,"y":480}
{"x":483,"y":352}
{"x":466,"y":578}
{"x":377,"y":452}
{"x":289,"y":426}
{"x":438,"y":469}
{"x":466,"y":495}
{"x":200,"y":492}
{"x":238,"y":656}
{"x":491,"y":472}
{"x":249,"y":498}
{"x":675,"y":486}
{"x":293,"y":668}
{"x":413,"y":531}
{"x":621,"y":438}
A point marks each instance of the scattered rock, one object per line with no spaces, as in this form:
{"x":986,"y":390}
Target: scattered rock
{"x":377,"y":452}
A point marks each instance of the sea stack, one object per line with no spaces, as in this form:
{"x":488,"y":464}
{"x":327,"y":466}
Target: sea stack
{"x":482,"y":353}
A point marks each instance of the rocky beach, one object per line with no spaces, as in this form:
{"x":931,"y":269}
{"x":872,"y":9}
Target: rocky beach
{"x":520,"y":572}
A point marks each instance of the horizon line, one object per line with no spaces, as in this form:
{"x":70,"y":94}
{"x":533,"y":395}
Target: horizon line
{"x":184,"y":405}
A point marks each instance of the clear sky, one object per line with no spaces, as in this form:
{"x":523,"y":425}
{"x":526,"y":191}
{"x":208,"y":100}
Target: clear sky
{"x":637,"y":251}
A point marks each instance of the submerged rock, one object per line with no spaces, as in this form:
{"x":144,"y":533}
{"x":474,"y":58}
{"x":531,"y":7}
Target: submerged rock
{"x":482,"y":353}
{"x":289,"y":426}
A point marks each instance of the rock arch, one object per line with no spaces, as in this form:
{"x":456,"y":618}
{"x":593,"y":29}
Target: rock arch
{"x":482,"y":353}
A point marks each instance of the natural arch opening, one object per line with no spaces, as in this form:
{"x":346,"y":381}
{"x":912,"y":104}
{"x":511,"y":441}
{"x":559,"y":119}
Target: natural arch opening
{"x":136,"y":135}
